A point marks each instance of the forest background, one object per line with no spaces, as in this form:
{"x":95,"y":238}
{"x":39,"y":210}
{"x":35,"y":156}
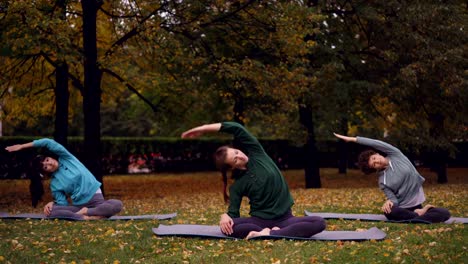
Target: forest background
{"x":295,"y":70}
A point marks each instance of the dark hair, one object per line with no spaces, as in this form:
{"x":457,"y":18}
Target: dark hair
{"x":363,"y":161}
{"x":35,"y":174}
{"x":36,"y":163}
{"x":220,"y":161}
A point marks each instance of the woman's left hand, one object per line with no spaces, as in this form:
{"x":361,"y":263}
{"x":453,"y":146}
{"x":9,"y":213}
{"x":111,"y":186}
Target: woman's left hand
{"x":14,"y":148}
{"x":19,"y":147}
{"x":200,"y":130}
{"x":193,"y":133}
{"x":345,"y":138}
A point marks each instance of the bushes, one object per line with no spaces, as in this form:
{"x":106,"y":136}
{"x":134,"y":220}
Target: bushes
{"x":177,"y":155}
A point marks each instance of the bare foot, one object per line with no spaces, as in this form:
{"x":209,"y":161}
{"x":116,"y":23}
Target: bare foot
{"x":423,"y":210}
{"x":83,"y":211}
{"x":275,"y":228}
{"x":264,"y":232}
{"x":428,"y":206}
{"x":419,"y":211}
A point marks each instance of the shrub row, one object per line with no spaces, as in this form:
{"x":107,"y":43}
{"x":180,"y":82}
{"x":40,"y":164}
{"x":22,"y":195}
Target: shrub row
{"x":141,"y":155}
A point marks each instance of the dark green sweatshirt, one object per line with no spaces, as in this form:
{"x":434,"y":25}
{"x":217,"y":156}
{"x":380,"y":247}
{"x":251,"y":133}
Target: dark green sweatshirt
{"x":262,"y":182}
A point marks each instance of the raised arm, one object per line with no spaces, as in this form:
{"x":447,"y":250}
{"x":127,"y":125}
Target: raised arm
{"x":345,"y":138}
{"x":200,"y":130}
{"x":19,"y":147}
{"x":377,"y":144}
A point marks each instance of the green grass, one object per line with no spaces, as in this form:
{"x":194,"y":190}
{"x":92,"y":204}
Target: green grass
{"x":197,"y":199}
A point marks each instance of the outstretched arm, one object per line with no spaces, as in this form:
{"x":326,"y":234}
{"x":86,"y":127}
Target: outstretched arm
{"x":50,"y":144}
{"x":200,"y":130}
{"x":19,"y":147}
{"x":345,"y":138}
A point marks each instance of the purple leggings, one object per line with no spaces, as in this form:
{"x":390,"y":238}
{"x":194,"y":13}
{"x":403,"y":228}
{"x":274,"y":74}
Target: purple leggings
{"x":433,"y":215}
{"x":289,"y":225}
{"x":97,"y":206}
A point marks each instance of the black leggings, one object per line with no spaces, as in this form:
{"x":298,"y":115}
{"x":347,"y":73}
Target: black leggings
{"x":289,"y":225}
{"x":433,"y":215}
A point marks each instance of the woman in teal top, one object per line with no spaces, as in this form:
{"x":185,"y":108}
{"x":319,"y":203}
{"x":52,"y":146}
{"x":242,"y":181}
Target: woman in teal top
{"x":257,"y":177}
{"x":70,"y":179}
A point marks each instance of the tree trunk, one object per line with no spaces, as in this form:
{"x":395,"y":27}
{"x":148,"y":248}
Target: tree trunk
{"x":62,"y":93}
{"x":312,"y":170}
{"x":343,"y":149}
{"x":61,"y":104}
{"x":342,"y":157}
{"x":441,"y":170}
{"x":239,"y":110}
{"x":439,"y":156}
{"x":91,"y":91}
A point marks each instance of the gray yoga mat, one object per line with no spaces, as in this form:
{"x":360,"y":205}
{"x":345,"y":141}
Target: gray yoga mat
{"x":378,"y":217}
{"x":115,"y":217}
{"x":207,"y":231}
{"x":2,"y":214}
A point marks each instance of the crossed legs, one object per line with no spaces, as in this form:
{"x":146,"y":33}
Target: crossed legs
{"x":96,"y":208}
{"x":428,"y":214}
{"x":286,"y":225}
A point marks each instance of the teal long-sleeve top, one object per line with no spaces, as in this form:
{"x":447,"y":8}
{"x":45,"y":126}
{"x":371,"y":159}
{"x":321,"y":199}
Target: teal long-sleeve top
{"x":400,"y":181}
{"x":262,"y":182}
{"x":71,"y":178}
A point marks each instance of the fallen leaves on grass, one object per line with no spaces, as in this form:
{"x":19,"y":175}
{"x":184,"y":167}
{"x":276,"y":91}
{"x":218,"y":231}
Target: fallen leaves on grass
{"x":197,"y":199}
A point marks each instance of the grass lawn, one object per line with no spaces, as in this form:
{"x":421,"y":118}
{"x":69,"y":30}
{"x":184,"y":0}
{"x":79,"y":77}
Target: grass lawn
{"x":197,"y":199}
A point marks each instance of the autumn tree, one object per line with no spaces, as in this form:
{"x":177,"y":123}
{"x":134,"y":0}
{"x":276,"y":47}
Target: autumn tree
{"x":36,"y":40}
{"x":408,"y":55}
{"x":259,"y":59}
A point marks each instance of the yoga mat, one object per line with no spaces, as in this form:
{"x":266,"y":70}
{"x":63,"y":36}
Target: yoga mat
{"x":378,"y":217}
{"x":2,"y":214}
{"x":206,"y":231}
{"x":115,"y":217}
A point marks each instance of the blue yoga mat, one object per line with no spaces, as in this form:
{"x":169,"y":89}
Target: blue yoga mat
{"x":378,"y":217}
{"x":115,"y":217}
{"x":207,"y":231}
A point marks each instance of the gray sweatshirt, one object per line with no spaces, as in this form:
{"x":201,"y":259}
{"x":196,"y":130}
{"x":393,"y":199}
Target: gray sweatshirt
{"x":400,"y":181}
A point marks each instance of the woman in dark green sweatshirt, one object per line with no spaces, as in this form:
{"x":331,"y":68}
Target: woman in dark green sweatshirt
{"x":257,"y":177}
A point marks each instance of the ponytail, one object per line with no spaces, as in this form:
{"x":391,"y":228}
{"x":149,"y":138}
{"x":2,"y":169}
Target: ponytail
{"x":225,"y":195}
{"x":35,"y":174}
{"x":220,"y":158}
{"x":36,"y":189}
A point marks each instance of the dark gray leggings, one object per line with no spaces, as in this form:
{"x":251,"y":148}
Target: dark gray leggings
{"x":97,"y":206}
{"x":433,"y":215}
{"x":289,"y":225}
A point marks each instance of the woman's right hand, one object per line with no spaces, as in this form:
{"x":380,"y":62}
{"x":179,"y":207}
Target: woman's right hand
{"x":345,"y":138}
{"x":226,"y":224}
{"x":48,"y":208}
{"x":387,"y":206}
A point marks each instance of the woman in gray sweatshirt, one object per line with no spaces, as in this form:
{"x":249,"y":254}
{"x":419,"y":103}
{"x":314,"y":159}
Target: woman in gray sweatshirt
{"x":399,"y":180}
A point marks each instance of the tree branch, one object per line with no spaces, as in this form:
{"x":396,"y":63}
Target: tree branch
{"x":132,"y":32}
{"x":75,"y":80}
{"x":131,"y":88}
